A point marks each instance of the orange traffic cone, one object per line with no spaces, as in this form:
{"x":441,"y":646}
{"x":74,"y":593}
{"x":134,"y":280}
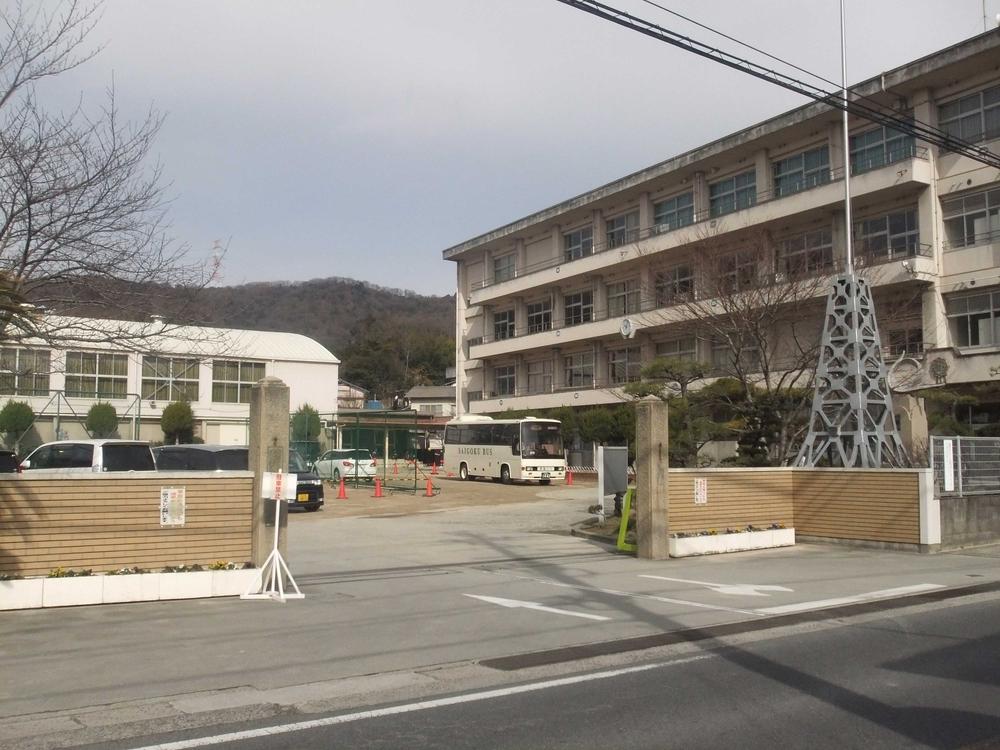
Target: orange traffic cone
{"x":430,"y":489}
{"x":378,"y":487}
{"x":434,"y":468}
{"x":569,"y":477}
{"x":342,"y":490}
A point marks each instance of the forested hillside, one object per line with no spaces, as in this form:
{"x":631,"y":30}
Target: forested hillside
{"x":387,"y":339}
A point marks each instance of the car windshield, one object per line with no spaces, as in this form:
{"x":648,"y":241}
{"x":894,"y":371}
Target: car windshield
{"x":296,"y":464}
{"x":541,"y":440}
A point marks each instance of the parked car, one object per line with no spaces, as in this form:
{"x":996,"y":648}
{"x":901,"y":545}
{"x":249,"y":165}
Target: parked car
{"x":346,"y":463}
{"x":200,"y":457}
{"x":9,"y":463}
{"x":90,"y":455}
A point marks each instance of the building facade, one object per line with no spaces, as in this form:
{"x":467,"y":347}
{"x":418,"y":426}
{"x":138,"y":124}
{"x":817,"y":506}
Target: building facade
{"x":564,"y":306}
{"x":211,"y":368}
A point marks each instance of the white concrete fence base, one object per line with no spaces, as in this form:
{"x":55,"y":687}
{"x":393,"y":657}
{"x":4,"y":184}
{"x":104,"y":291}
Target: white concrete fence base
{"x":717,"y":544}
{"x":32,"y":593}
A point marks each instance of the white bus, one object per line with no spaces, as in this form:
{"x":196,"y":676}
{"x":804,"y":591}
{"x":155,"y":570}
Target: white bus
{"x":504,"y":449}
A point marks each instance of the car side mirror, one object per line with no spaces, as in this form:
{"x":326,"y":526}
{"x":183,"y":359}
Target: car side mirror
{"x":26,"y":464}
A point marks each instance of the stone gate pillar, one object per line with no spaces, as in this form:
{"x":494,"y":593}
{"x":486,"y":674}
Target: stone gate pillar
{"x":269,"y":414}
{"x":652,"y":498}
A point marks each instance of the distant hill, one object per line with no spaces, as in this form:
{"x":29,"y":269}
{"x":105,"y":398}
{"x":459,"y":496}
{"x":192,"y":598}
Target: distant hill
{"x":329,"y":310}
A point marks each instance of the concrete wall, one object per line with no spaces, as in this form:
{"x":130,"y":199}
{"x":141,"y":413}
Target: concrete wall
{"x":970,"y":520}
{"x":108,"y":521}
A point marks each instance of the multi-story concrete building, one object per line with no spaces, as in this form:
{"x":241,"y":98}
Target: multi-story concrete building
{"x":541,"y":301}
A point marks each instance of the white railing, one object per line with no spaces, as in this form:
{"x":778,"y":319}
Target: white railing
{"x":965,"y":465}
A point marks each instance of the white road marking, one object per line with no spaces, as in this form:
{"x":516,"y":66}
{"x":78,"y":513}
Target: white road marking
{"x":517,"y":604}
{"x":870,"y":596}
{"x":737,"y":589}
{"x":483,"y":695}
{"x":628,"y":594}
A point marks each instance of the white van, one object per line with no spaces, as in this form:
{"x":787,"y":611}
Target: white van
{"x":65,"y":456}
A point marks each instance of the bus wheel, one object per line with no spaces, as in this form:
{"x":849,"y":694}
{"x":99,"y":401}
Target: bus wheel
{"x":505,"y":474}
{"x":463,"y":472}
{"x":545,"y":481}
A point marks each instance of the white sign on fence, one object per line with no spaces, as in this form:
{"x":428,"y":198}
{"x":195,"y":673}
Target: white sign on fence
{"x":701,"y":491}
{"x":948,"y":465}
{"x":172,"y":506}
{"x":278,"y":486}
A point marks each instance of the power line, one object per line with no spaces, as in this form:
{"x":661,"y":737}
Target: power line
{"x":856,"y":107}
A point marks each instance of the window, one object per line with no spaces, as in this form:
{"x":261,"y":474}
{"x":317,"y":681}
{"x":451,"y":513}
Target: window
{"x":579,"y":370}
{"x":579,"y":308}
{"x":622,"y":230}
{"x":674,"y":285}
{"x":503,"y":268}
{"x":737,"y":271}
{"x":624,"y":365}
{"x":170,"y":379}
{"x":807,"y":253}
{"x":232,"y":380}
{"x":24,"y":372}
{"x":673,"y":213}
{"x":503,"y":381}
{"x":972,"y":219}
{"x":503,"y":325}
{"x":802,"y":171}
{"x":540,"y":376}
{"x":96,"y":375}
{"x":746,"y":360}
{"x":975,"y":319}
{"x":683,"y":348}
{"x":891,"y":236}
{"x":878,"y":147}
{"x":972,"y":118}
{"x":733,"y":194}
{"x":909,"y":341}
{"x":578,"y":244}
{"x":623,"y":298}
{"x":539,"y":316}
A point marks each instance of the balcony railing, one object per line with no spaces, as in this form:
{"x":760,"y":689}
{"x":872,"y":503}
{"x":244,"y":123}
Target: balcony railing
{"x":893,"y":156}
{"x":866,"y":257}
{"x":626,"y":237}
{"x":971,"y":240}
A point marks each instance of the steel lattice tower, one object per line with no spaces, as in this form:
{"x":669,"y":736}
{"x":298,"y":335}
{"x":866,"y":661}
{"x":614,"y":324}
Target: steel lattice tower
{"x":852,"y":422}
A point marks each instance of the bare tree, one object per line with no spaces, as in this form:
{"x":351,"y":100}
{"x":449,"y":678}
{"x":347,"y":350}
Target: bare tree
{"x":82,"y":212}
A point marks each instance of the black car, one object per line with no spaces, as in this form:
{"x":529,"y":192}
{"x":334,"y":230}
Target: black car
{"x":201,"y":457}
{"x":9,"y":463}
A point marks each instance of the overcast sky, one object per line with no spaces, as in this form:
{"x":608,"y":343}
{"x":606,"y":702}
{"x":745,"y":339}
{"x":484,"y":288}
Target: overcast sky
{"x":360,"y":138}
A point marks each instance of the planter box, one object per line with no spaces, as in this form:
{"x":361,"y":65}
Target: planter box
{"x":71,"y":592}
{"x":135,"y":587}
{"x":25,"y":593}
{"x":234,"y":582}
{"x":196,"y":585}
{"x":721,"y":543}
{"x":31,"y":593}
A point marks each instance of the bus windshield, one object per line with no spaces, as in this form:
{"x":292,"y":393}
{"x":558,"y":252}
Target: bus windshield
{"x":541,"y":440}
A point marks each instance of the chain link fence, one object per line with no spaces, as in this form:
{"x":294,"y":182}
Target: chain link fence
{"x":965,"y":465}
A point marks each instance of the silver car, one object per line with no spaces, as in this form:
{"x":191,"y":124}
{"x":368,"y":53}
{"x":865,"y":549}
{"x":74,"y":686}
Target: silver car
{"x":65,"y":456}
{"x":346,"y":463}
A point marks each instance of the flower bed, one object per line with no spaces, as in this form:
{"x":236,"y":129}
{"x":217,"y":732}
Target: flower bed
{"x":732,"y":540}
{"x":66,"y":589}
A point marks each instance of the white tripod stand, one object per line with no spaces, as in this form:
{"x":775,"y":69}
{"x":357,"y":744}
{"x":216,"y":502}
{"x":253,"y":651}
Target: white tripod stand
{"x":274,"y":570}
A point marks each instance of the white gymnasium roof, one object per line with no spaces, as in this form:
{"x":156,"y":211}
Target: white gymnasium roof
{"x":158,"y":337}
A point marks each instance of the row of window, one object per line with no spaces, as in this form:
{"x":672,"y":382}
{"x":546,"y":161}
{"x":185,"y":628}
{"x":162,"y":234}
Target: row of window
{"x":893,"y":235}
{"x":974,"y":117}
{"x":104,"y":375}
{"x":624,"y":364}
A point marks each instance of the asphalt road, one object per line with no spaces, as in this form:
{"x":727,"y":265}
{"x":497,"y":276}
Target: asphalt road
{"x":929,"y":678}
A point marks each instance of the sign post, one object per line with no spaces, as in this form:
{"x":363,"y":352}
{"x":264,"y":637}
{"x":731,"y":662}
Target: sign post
{"x":280,"y":488}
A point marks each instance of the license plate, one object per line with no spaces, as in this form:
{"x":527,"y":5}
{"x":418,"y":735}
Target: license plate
{"x":303,"y":497}
{"x":545,"y":475}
